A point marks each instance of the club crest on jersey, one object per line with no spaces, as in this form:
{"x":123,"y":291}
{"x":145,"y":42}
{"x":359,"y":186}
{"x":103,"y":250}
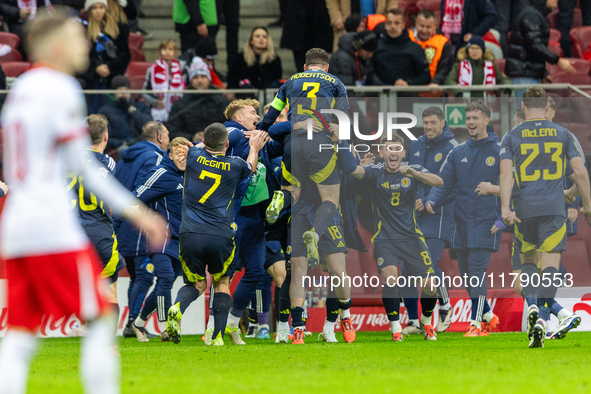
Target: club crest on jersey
{"x":490,"y":161}
{"x":380,"y":261}
{"x":438,"y":157}
{"x":150,"y":268}
{"x":289,"y":249}
{"x":405,"y":182}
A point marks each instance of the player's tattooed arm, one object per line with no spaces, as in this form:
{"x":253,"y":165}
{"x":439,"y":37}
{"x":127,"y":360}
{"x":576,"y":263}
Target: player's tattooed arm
{"x":425,"y":177}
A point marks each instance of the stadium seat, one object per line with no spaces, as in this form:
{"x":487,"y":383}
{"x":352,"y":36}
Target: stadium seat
{"x":13,"y":56}
{"x":137,"y":55}
{"x":137,"y":40}
{"x":500,"y":264}
{"x":554,"y":35}
{"x":500,"y":63}
{"x":10,"y":39}
{"x":411,"y":7}
{"x":432,"y":5}
{"x":576,"y":260}
{"x":556,"y":48}
{"x":582,"y":77}
{"x":14,"y":69}
{"x":577,"y":19}
{"x":581,"y":38}
{"x":583,"y":133}
{"x":136,"y":72}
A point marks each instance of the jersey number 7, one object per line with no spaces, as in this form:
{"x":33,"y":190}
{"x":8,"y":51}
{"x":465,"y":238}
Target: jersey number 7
{"x":217,"y":179}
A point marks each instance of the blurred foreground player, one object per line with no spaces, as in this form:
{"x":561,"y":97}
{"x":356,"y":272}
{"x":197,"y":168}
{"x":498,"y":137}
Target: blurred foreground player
{"x":58,"y":273}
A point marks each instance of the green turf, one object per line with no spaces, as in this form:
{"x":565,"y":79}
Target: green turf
{"x":501,"y":363}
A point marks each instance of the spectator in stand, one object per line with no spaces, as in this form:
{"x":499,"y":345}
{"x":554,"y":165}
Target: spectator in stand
{"x":109,"y":54}
{"x":461,"y":19}
{"x":506,"y":14}
{"x":438,"y":50}
{"x":398,"y":60}
{"x":165,"y":74}
{"x":3,"y":189}
{"x":194,"y":112}
{"x":307,"y":26}
{"x":258,"y":66}
{"x":475,"y":67}
{"x":339,"y":11}
{"x":229,"y":15}
{"x":15,"y":12}
{"x":205,"y":50}
{"x":355,"y":23}
{"x":116,"y":10}
{"x":564,"y":21}
{"x":126,"y":117}
{"x":194,"y":20}
{"x":527,"y":50}
{"x":351,"y":62}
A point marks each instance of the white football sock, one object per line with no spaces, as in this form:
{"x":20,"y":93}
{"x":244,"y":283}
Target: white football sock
{"x":415,"y":322}
{"x":487,"y":316}
{"x":445,"y":307}
{"x":210,"y":323}
{"x":395,"y":326}
{"x":426,"y":320}
{"x":475,"y":323}
{"x":328,"y":326}
{"x":162,"y":326}
{"x":563,"y":313}
{"x":16,"y":351}
{"x":233,"y":321}
{"x":140,"y":322}
{"x":99,"y":368}
{"x":283,"y":326}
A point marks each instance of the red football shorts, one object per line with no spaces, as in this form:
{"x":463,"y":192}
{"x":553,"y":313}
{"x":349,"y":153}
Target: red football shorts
{"x":58,"y":284}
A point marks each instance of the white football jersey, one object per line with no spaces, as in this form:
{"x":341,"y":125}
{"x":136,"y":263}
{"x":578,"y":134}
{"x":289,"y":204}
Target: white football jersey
{"x":44,"y":109}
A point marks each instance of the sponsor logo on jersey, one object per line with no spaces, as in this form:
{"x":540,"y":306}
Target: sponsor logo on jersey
{"x":465,"y":160}
{"x":490,"y":161}
{"x":179,"y":186}
{"x":438,"y":157}
{"x":405,"y":182}
{"x":386,"y":185}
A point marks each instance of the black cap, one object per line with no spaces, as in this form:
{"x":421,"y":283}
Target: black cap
{"x":366,"y":40}
{"x":206,"y":48}
{"x":353,"y":22}
{"x":120,"y":81}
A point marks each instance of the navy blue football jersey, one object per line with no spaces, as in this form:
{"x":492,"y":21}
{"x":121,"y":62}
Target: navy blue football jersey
{"x":95,"y":215}
{"x":393,"y":198}
{"x":210,"y":183}
{"x":540,"y":151}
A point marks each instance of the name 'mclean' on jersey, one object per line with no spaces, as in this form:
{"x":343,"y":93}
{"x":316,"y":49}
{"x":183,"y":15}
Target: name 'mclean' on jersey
{"x":210,"y":183}
{"x":540,"y":151}
{"x":393,"y":197}
{"x":45,"y":109}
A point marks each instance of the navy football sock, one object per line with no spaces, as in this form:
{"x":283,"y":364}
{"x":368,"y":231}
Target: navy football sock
{"x":324,"y":217}
{"x":344,"y":305}
{"x":276,"y":302}
{"x":186,"y":295}
{"x":149,"y":306}
{"x":221,"y":306}
{"x":252,"y":316}
{"x":391,"y":300}
{"x":332,"y":307}
{"x":529,"y":270}
{"x":297,"y":317}
{"x":428,"y":304}
{"x":556,"y":308}
{"x":547,"y":293}
{"x":479,"y":307}
{"x":284,"y":302}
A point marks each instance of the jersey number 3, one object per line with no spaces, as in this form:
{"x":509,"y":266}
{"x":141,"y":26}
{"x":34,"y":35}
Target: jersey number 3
{"x":535,"y":151}
{"x":311,"y":94}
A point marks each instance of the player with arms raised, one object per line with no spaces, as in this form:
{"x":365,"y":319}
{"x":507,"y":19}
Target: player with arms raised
{"x":51,"y":266}
{"x":536,"y":153}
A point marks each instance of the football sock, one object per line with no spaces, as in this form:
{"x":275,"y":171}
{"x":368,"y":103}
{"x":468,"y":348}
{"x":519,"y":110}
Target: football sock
{"x":328,"y":326}
{"x":563,"y":313}
{"x":284,"y":302}
{"x":16,"y":351}
{"x":332,"y":308}
{"x":530,"y":291}
{"x":415,"y":322}
{"x":344,"y":306}
{"x":96,"y":350}
{"x":556,"y":308}
{"x":286,"y":200}
{"x":210,"y":322}
{"x":475,"y":323}
{"x":115,"y":307}
{"x":276,"y":302}
{"x":221,"y":306}
{"x":427,"y":305}
{"x":479,"y":307}
{"x":252,"y":316}
{"x":139,"y":321}
{"x":412,"y":306}
{"x":149,"y":306}
{"x":395,"y":326}
{"x":487,"y":316}
{"x":283,"y":326}
{"x":547,"y":293}
{"x":186,"y":295}
{"x":162,"y":307}
{"x":391,"y":301}
{"x":445,"y":307}
{"x":263,"y":318}
{"x":297,"y":319}
{"x":324,"y":217}
{"x":233,"y":320}
{"x":426,"y":320}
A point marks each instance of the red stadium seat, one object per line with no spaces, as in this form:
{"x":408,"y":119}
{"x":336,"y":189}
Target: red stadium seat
{"x":136,"y":40}
{"x":10,"y":39}
{"x":583,"y":133}
{"x":500,"y":63}
{"x":411,"y":7}
{"x":137,"y":55}
{"x":136,"y":72}
{"x":555,"y":35}
{"x":499,"y":265}
{"x":581,"y":38}
{"x":582,"y":77}
{"x":432,"y":5}
{"x":13,"y":56}
{"x":14,"y":69}
{"x":556,"y":48}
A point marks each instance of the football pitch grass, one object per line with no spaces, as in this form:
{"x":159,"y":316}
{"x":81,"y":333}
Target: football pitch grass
{"x":500,"y":363}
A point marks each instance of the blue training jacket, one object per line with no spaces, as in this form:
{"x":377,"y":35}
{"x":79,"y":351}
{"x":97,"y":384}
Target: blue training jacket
{"x":431,"y":154}
{"x":239,"y":147}
{"x":465,"y":167}
{"x":136,"y":161}
{"x":162,"y":190}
